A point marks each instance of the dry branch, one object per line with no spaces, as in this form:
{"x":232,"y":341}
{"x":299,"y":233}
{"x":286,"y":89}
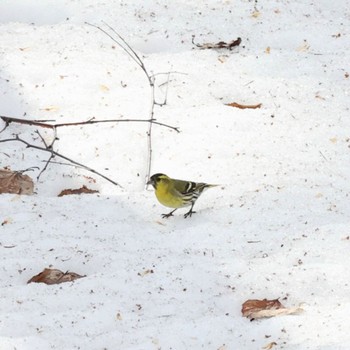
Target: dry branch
{"x":122,"y":43}
{"x":42,"y":124}
{"x":56,"y":154}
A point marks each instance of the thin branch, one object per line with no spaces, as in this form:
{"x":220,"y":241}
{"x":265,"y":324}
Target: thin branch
{"x":149,"y":134}
{"x":5,"y":127}
{"x":166,"y":93}
{"x":54,"y":153}
{"x":170,"y":72}
{"x":28,"y":169}
{"x":65,"y":164}
{"x":48,"y":147}
{"x":136,"y":58}
{"x":113,"y":39}
{"x":41,"y":124}
{"x":46,"y":165}
{"x":42,"y":139}
{"x":125,"y":43}
{"x":153,"y":121}
{"x":9,"y":120}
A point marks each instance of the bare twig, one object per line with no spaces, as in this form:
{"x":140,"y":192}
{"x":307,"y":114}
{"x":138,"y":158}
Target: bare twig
{"x":28,"y":169}
{"x":56,"y":154}
{"x":121,"y":42}
{"x":48,"y":147}
{"x":4,"y":128}
{"x":42,"y":124}
{"x":131,"y":52}
{"x":166,"y":92}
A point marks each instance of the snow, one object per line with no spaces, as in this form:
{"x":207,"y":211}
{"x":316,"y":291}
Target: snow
{"x":278,"y":225}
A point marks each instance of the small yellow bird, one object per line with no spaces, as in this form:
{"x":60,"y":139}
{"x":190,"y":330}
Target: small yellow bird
{"x":177,"y":193}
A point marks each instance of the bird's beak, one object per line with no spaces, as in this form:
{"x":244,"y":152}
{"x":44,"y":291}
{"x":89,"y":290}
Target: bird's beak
{"x":150,"y":182}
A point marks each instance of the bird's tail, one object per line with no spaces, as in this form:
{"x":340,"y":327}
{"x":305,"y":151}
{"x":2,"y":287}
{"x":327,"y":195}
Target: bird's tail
{"x":202,"y":187}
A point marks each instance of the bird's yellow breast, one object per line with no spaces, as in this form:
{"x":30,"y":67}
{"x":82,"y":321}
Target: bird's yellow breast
{"x":166,"y":195}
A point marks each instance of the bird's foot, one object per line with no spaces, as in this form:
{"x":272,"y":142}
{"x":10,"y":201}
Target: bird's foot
{"x":165,"y":216}
{"x":189,"y":213}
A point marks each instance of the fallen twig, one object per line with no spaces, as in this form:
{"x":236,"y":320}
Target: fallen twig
{"x":240,"y":106}
{"x":42,"y":124}
{"x":56,"y":154}
{"x":49,"y":147}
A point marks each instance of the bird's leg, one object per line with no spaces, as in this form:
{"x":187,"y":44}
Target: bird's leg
{"x":165,"y":216}
{"x":190,"y":212}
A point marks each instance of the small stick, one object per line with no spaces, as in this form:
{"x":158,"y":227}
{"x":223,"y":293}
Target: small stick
{"x":54,"y":153}
{"x":9,"y":120}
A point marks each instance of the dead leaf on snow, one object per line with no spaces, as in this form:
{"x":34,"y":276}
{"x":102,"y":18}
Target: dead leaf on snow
{"x":223,"y":347}
{"x":319,"y":96}
{"x":54,"y":276}
{"x":50,"y":109}
{"x":15,"y":182}
{"x":240,"y":106}
{"x":255,"y":309}
{"x":6,"y":222}
{"x":145,"y":272}
{"x":80,"y":190}
{"x":219,"y":45}
{"x":256,"y":14}
{"x":304,"y":47}
{"x":269,"y":346}
{"x":223,"y":58}
{"x":268,"y":50}
{"x":104,"y":88}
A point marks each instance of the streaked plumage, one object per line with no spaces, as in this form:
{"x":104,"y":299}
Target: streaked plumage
{"x":177,"y":194}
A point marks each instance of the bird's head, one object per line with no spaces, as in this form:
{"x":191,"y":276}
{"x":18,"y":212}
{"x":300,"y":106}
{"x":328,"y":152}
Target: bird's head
{"x":156,"y":179}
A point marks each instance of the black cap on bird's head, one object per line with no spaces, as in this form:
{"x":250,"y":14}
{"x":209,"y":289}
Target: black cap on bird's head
{"x":156,"y":178}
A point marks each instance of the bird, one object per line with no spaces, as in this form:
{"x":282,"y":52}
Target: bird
{"x":177,"y":194}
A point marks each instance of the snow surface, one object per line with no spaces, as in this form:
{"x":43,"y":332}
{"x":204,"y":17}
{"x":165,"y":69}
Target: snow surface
{"x":279,"y":225}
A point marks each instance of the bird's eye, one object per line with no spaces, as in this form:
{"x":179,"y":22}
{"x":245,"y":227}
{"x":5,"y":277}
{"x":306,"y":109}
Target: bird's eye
{"x":159,"y":179}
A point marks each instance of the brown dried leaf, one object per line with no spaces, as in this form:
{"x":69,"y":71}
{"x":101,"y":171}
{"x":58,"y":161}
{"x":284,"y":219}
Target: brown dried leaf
{"x":15,"y":182}
{"x":80,"y":190}
{"x":54,"y":276}
{"x":220,"y":45}
{"x":145,"y":272}
{"x":6,"y":222}
{"x":254,"y":309}
{"x":254,"y":305}
{"x":268,"y":50}
{"x":104,"y":88}
{"x":269,"y":346}
{"x":304,"y":47}
{"x":238,"y":105}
